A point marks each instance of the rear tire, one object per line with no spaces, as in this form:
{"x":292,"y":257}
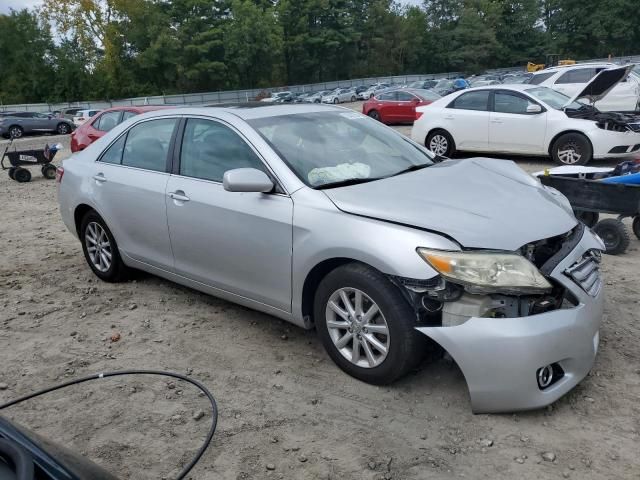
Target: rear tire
{"x":95,"y":234}
{"x":588,"y":218}
{"x":11,"y":172}
{"x":374,"y":114}
{"x":636,"y":226}
{"x":572,"y":149}
{"x":22,"y":175}
{"x":403,"y":345}
{"x":614,"y":235}
{"x":441,"y":143}
{"x":63,"y":128}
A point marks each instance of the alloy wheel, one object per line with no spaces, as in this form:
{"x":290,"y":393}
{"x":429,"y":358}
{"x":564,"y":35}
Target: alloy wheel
{"x":98,"y":246}
{"x":357,"y":327}
{"x":15,"y":132}
{"x":570,"y":153}
{"x":439,"y":144}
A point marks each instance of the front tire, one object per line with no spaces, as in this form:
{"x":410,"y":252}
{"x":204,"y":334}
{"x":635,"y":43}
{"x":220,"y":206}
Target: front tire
{"x":572,"y":149}
{"x":614,"y":235}
{"x":21,"y":175}
{"x":441,"y":143}
{"x":49,"y":171}
{"x":100,"y":249}
{"x":366,"y":325}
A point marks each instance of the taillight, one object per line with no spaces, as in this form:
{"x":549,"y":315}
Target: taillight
{"x":418,"y":114}
{"x":59,"y":174}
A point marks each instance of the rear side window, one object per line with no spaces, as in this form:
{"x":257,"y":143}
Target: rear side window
{"x":540,"y":77}
{"x":472,"y":101}
{"x":210,"y":148}
{"x":405,"y":97}
{"x":147,"y":145}
{"x":387,"y":97}
{"x":113,"y":154}
{"x":579,"y":75}
{"x":107,"y":121}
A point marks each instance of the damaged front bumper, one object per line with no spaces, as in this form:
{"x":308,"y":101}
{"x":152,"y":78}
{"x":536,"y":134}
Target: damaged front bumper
{"x":501,"y":357}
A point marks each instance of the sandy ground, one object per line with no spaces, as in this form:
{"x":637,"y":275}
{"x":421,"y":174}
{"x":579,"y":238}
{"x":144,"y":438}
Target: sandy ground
{"x":286,"y":411}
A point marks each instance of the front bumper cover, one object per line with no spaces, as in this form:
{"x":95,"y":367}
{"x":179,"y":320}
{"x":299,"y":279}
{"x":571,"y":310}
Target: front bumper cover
{"x":499,"y":357}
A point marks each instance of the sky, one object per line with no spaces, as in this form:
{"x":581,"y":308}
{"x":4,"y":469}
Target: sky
{"x":5,"y":5}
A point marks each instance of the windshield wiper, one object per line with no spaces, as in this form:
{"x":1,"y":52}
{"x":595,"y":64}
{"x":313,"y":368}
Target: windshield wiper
{"x":412,"y":168}
{"x":347,"y":182}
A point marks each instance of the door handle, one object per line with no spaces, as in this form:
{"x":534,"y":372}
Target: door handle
{"x":496,"y":121}
{"x":99,"y":178}
{"x":179,"y":196}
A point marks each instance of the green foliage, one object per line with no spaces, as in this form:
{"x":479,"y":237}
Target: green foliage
{"x":105,"y":49}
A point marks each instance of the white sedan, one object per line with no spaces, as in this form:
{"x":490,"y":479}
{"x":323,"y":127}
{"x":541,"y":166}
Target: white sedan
{"x":529,"y":120}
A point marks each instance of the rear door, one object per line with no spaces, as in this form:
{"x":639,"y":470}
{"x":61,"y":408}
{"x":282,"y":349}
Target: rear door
{"x":236,"y":242}
{"x":129,"y":185}
{"x":406,"y":106}
{"x":512,"y":128}
{"x":466,"y":118}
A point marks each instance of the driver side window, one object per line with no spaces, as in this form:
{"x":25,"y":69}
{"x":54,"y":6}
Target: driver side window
{"x":210,"y":148}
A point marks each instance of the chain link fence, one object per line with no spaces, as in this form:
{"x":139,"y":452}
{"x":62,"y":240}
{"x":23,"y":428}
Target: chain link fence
{"x":238,"y":96}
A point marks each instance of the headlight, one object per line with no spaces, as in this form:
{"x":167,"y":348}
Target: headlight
{"x":486,"y":272}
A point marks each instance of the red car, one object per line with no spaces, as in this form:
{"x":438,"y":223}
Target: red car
{"x":96,"y":127}
{"x":398,"y":106}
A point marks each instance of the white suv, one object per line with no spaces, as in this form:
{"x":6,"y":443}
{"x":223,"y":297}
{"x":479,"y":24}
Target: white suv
{"x":571,"y":79}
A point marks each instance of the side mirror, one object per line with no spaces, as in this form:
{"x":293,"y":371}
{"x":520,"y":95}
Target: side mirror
{"x":246,"y":180}
{"x":534,"y":108}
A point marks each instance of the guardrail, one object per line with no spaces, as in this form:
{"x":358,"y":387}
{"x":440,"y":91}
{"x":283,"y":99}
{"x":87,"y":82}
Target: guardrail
{"x":238,"y":96}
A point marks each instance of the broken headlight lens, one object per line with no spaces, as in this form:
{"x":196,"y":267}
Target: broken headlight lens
{"x":486,"y":272}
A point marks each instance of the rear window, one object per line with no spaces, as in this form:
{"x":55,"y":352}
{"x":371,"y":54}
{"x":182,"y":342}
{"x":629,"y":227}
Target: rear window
{"x":579,"y":75}
{"x":472,"y":101}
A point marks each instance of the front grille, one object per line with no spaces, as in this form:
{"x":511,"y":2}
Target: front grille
{"x":586,"y":273}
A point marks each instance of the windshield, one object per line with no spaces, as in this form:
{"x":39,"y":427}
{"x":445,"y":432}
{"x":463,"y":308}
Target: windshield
{"x":552,"y":98}
{"x":326,"y":148}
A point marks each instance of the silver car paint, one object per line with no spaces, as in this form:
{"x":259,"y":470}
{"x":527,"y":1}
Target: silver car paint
{"x":488,"y":212}
{"x":273,"y":281}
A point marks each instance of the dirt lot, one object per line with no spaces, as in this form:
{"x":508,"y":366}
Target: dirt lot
{"x":285,"y":410}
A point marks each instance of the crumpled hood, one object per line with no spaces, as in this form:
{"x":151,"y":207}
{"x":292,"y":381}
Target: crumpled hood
{"x":479,"y":202}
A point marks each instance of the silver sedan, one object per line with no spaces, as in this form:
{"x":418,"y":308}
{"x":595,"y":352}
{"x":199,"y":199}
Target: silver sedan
{"x":328,"y":219}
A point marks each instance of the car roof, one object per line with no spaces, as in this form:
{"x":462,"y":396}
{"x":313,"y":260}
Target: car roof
{"x":138,"y":109}
{"x":561,"y":68}
{"x":253,"y":110}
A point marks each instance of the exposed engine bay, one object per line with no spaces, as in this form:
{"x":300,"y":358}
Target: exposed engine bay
{"x":613,"y":121}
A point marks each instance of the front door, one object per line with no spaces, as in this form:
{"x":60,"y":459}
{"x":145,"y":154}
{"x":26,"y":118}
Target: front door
{"x":512,"y":129}
{"x":237,"y":242}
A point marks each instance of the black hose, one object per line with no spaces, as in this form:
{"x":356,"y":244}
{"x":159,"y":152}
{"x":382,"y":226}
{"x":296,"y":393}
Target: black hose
{"x":95,"y":376}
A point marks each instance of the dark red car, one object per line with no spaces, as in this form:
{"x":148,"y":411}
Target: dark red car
{"x":96,"y":127}
{"x":398,"y":106}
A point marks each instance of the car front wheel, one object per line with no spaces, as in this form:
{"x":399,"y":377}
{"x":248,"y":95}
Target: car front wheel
{"x":572,"y":149}
{"x":366,"y":325}
{"x":63,"y":128}
{"x":100,"y":249}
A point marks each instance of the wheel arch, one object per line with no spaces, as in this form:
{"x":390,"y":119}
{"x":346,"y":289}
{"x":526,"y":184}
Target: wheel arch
{"x":435,"y":129}
{"x":78,"y":214}
{"x":564,"y":132}
{"x":313,"y":279}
